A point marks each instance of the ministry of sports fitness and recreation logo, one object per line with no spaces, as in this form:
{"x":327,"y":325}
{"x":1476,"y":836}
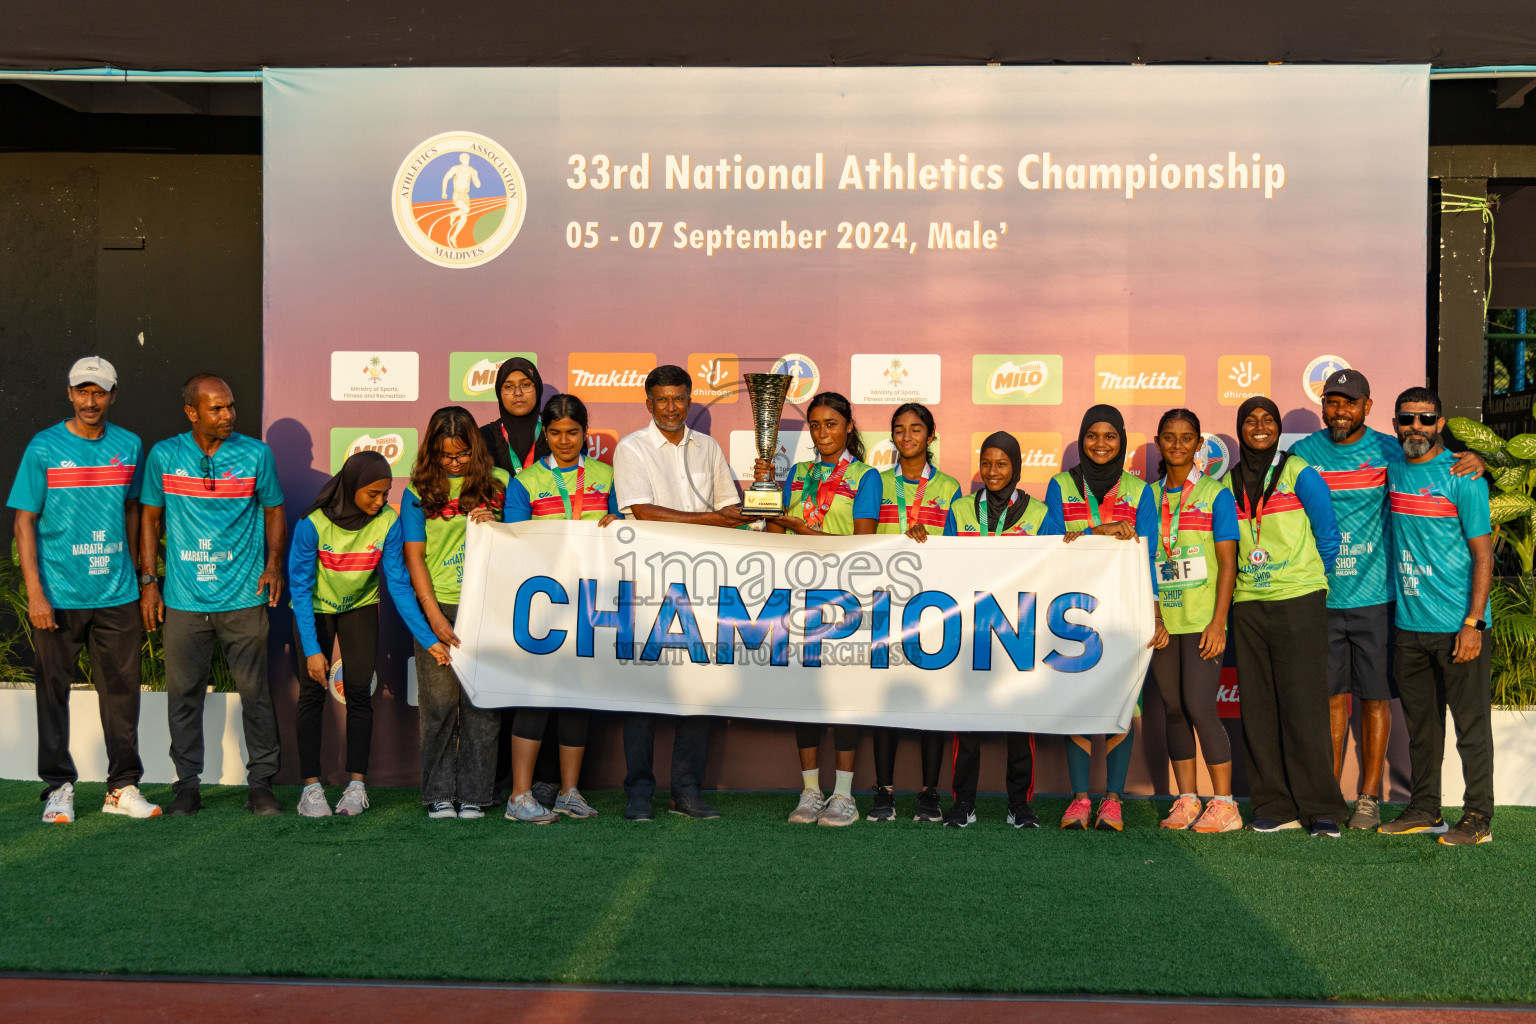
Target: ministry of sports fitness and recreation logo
{"x":807,"y":377}
{"x":459,"y":199}
{"x":1317,"y":373}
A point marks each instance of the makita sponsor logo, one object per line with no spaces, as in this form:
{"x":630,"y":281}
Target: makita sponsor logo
{"x":609,"y":379}
{"x":1144,"y":381}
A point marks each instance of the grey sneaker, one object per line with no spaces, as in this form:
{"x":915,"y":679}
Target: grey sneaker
{"x":442,"y":809}
{"x":840,"y":810}
{"x":525,"y":808}
{"x":354,"y":800}
{"x":60,"y":809}
{"x":809,"y":807}
{"x":571,"y":804}
{"x":312,"y":802}
{"x":1367,"y":813}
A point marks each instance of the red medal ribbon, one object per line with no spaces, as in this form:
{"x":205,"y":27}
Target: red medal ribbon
{"x":815,"y":510}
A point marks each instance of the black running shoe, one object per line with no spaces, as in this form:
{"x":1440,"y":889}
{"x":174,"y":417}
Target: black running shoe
{"x":928,"y":806}
{"x":960,"y":815}
{"x":1471,"y":830}
{"x":1022,"y":816}
{"x":885,"y":804}
{"x":187,"y":803}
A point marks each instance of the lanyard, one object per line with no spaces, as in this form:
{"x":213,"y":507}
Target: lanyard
{"x":1256,"y":515}
{"x":538,"y":428}
{"x":1172,"y":522}
{"x":581,"y":486}
{"x":917,"y":499}
{"x":981,"y":513}
{"x":814,"y":509}
{"x":1093,"y":503}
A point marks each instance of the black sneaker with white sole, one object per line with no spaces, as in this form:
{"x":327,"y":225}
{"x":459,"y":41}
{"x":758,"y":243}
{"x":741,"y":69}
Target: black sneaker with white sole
{"x":1022,"y":816}
{"x":928,"y":806}
{"x":1322,"y":827}
{"x":960,"y":815}
{"x":885,"y":804}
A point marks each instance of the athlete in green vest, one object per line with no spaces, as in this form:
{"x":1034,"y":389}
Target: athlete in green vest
{"x":914,"y":500}
{"x":1196,"y":571}
{"x":1099,"y":496}
{"x":837,"y":494}
{"x":999,"y":509}
{"x":563,"y":484}
{"x":1287,"y":541}
{"x":341,"y":545}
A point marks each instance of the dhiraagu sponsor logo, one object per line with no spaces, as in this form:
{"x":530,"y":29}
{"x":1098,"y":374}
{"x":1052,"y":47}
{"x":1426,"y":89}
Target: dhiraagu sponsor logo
{"x":1016,"y":379}
{"x":472,"y":375}
{"x":396,"y":444}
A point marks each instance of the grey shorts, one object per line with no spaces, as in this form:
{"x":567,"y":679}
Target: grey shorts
{"x":1360,"y":652}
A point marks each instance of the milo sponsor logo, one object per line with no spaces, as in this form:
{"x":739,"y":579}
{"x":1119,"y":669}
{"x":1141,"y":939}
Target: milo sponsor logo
{"x":396,"y":444}
{"x":1016,"y":379}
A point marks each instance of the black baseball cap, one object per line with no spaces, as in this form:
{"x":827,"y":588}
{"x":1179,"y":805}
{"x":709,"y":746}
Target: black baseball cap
{"x":1349,"y":383}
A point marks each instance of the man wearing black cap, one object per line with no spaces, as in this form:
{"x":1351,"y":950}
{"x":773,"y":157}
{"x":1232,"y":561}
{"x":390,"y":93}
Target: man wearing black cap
{"x":1353,"y":459}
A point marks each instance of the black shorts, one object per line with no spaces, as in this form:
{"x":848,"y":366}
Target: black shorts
{"x":1360,"y":652}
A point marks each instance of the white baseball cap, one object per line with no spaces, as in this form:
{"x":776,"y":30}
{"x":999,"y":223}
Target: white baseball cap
{"x":93,"y":370}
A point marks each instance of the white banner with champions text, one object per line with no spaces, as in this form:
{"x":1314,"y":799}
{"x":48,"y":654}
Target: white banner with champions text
{"x":1013,"y":634}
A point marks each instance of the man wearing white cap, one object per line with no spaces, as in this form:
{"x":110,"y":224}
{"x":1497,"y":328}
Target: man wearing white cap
{"x":77,"y":522}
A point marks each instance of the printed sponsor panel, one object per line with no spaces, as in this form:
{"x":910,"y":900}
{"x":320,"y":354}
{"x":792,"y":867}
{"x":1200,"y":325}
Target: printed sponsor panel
{"x":396,"y":444}
{"x":364,"y":376}
{"x":1318,"y":371}
{"x":600,"y":445}
{"x":1239,"y":378}
{"x":1139,"y":380}
{"x":807,"y":376}
{"x":891,"y":379}
{"x":716,"y":377}
{"x":794,"y":446}
{"x":609,"y":376}
{"x":1016,"y":379}
{"x":472,"y":375}
{"x":1227,"y":704}
{"x":459,"y":200}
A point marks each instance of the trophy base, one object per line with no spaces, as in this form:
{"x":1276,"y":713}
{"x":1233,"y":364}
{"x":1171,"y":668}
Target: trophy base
{"x":762,"y":504}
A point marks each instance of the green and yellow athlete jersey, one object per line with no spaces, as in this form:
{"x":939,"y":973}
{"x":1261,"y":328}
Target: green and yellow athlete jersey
{"x":900,"y":507}
{"x":1190,"y":524}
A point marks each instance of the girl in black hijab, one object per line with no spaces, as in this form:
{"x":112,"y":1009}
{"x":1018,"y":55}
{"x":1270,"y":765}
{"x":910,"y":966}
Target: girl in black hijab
{"x":1099,"y":496}
{"x":340,"y":545}
{"x":513,"y":436}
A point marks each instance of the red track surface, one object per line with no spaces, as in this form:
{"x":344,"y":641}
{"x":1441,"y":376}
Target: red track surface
{"x":161,"y":1002}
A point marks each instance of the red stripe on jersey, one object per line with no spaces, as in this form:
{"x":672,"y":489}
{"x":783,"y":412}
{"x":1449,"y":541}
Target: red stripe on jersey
{"x":352,"y":561}
{"x":451,"y":509}
{"x":843,"y":490}
{"x":1432,"y":505}
{"x":1277,"y":503}
{"x":199,"y":487}
{"x":928,"y":515}
{"x":1074,"y":511}
{"x":1362,"y":479}
{"x":90,"y":476}
{"x":1198,"y":521}
{"x":592,"y":500}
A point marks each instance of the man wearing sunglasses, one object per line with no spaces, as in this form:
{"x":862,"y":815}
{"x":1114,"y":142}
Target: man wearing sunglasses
{"x":1353,"y":459}
{"x":216,"y":495}
{"x":1444,"y":559}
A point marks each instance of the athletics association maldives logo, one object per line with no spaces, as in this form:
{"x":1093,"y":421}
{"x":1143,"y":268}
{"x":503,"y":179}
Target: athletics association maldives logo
{"x":459,"y":199}
{"x":807,"y":377}
{"x":1213,"y":456}
{"x":1317,"y":373}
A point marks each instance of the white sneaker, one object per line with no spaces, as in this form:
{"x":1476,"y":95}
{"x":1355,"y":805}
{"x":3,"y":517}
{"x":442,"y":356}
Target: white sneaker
{"x":840,"y":810}
{"x":130,"y":802}
{"x":354,"y":800}
{"x":442,"y":809}
{"x":471,"y":811}
{"x":61,"y":805}
{"x":312,"y":802}
{"x":810,"y":805}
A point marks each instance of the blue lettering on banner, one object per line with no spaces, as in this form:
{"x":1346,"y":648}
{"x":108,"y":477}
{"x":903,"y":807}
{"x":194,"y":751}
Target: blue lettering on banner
{"x":772,"y":622}
{"x":816,"y":630}
{"x":550,"y":642}
{"x":675,"y":607}
{"x":1018,"y":643}
{"x":589,"y":619}
{"x":880,"y":630}
{"x":911,"y":620}
{"x":1093,"y":644}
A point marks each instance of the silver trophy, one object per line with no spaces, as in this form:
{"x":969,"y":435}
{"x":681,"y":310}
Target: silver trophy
{"x":766,"y":392}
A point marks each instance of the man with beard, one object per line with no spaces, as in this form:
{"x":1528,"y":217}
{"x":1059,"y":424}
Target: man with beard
{"x":1444,"y":560}
{"x":1352,"y":459}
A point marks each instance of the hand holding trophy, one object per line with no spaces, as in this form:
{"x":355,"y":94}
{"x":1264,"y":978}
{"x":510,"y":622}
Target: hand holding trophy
{"x":766,"y":391}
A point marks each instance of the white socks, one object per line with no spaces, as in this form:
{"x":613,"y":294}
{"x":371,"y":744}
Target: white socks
{"x":844,"y":785}
{"x":810,"y":780}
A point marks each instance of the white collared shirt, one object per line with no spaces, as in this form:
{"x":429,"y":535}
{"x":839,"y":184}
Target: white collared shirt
{"x":691,"y":476}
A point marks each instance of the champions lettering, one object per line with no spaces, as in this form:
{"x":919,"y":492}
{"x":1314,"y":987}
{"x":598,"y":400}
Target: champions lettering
{"x":824,"y":614}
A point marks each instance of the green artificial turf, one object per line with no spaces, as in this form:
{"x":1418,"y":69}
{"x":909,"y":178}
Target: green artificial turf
{"x":748,"y":900}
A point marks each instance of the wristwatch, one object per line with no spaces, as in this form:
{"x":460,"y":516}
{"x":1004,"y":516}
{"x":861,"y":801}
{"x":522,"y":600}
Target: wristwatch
{"x":145,"y":579}
{"x":1475,"y":623}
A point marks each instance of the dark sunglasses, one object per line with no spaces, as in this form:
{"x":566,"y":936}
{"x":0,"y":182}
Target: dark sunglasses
{"x":1425,"y":419}
{"x":207,"y":467}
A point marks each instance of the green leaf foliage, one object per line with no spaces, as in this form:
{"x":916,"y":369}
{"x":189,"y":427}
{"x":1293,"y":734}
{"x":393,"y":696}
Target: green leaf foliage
{"x":1521,"y":446}
{"x":1478,"y":437}
{"x":1510,"y":479}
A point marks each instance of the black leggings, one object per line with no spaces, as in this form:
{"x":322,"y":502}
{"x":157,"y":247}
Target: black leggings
{"x":570,"y":725}
{"x":1188,"y":685}
{"x":358,"y":630}
{"x":844,"y":737}
{"x":931,"y":744}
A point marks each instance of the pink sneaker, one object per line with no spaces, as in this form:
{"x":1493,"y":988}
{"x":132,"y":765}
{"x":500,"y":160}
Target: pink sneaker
{"x":1185,"y":812}
{"x":1220,"y":816}
{"x":1077,"y":814}
{"x":1109,"y":816}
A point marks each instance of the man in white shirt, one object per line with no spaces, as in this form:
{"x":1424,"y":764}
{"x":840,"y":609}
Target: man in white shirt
{"x":669,"y":473}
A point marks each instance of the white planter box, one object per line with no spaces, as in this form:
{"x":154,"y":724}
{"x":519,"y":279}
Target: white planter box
{"x":223,"y":737}
{"x":1514,"y":760}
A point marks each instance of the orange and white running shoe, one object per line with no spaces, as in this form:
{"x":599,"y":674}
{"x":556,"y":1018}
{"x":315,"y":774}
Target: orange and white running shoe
{"x":1220,"y":816}
{"x":130,"y":802}
{"x":1109,"y":816}
{"x":1185,"y":812}
{"x":60,"y":809}
{"x":1077,"y":814}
